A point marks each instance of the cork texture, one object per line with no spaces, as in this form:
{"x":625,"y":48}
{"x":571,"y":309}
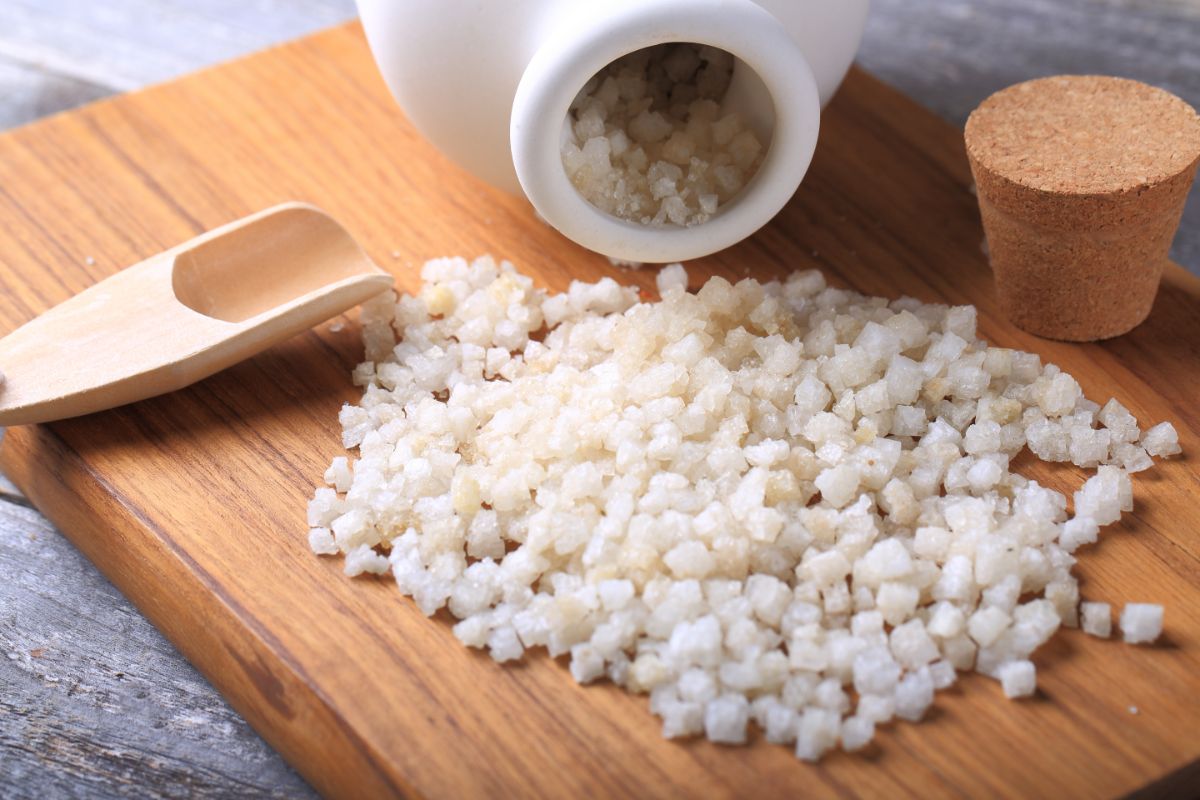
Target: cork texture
{"x":1082,"y":182}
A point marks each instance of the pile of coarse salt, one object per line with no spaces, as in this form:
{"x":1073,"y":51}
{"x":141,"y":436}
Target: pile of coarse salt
{"x":782,"y":503}
{"x":648,"y":140}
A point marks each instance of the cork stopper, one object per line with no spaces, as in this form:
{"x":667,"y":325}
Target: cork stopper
{"x":1081,"y":182}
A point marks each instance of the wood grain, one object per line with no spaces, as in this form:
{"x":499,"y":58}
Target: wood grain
{"x":193,"y":503}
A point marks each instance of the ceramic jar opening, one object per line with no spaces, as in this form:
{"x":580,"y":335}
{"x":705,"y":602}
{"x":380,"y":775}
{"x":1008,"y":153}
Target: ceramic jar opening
{"x":491,"y":84}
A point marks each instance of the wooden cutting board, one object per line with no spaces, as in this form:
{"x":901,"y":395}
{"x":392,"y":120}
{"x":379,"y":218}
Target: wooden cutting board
{"x":193,"y":504}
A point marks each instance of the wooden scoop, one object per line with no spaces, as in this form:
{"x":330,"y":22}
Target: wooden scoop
{"x":184,"y":314}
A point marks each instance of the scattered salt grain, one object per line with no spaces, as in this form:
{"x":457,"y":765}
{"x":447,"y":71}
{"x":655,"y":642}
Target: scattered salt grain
{"x":1018,"y":678}
{"x":1141,"y":623}
{"x":778,"y":504}
{"x":1161,"y":440}
{"x":363,"y":560}
{"x":1096,"y":619}
{"x":321,"y":541}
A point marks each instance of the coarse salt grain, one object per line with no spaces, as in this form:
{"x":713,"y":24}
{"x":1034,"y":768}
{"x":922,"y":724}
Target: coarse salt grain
{"x":745,"y":501}
{"x":1096,"y":619}
{"x":1161,"y":440}
{"x":1018,"y":678}
{"x":1141,"y":623}
{"x":857,"y":733}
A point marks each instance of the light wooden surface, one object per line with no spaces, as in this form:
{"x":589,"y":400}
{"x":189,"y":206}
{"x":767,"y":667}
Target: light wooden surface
{"x":193,"y":503}
{"x":109,"y":704}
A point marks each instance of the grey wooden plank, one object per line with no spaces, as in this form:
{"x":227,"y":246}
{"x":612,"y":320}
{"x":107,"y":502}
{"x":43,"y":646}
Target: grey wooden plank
{"x":951,"y":54}
{"x":95,"y":702}
{"x":31,"y":92}
{"x":125,"y":44}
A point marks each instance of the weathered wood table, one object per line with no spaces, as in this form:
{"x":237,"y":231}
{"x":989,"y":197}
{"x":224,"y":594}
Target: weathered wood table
{"x":94,"y":701}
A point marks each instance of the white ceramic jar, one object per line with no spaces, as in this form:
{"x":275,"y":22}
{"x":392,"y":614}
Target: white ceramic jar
{"x":490,"y":83}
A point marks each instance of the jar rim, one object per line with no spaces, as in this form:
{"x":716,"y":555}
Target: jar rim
{"x":587,"y":42}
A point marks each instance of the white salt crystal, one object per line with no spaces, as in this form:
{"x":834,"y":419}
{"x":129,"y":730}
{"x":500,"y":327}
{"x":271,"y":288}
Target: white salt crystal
{"x":1078,"y":531}
{"x":1018,"y":679}
{"x":320,"y":540}
{"x":942,"y":674}
{"x":880,"y":709}
{"x":1141,"y":623}
{"x":504,"y":644}
{"x":1057,"y":395}
{"x":904,"y":379}
{"x":897,"y":601}
{"x":828,"y":567}
{"x":817,"y":733}
{"x":982,"y":437}
{"x":946,"y":621}
{"x":1122,"y":425}
{"x":914,"y":694}
{"x":1131,"y":457}
{"x":671,"y":278}
{"x":781,"y":724}
{"x":960,"y":651}
{"x":984,"y":475}
{"x":586,"y":663}
{"x":857,"y":733}
{"x":909,"y":421}
{"x":838,"y":485}
{"x":1161,"y":440}
{"x":682,"y":719}
{"x":725,"y":719}
{"x":875,"y":672}
{"x":986,"y":625}
{"x":1100,"y":498}
{"x":887,"y":560}
{"x":363,"y":559}
{"x":911,"y":645}
{"x":1096,"y":619}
